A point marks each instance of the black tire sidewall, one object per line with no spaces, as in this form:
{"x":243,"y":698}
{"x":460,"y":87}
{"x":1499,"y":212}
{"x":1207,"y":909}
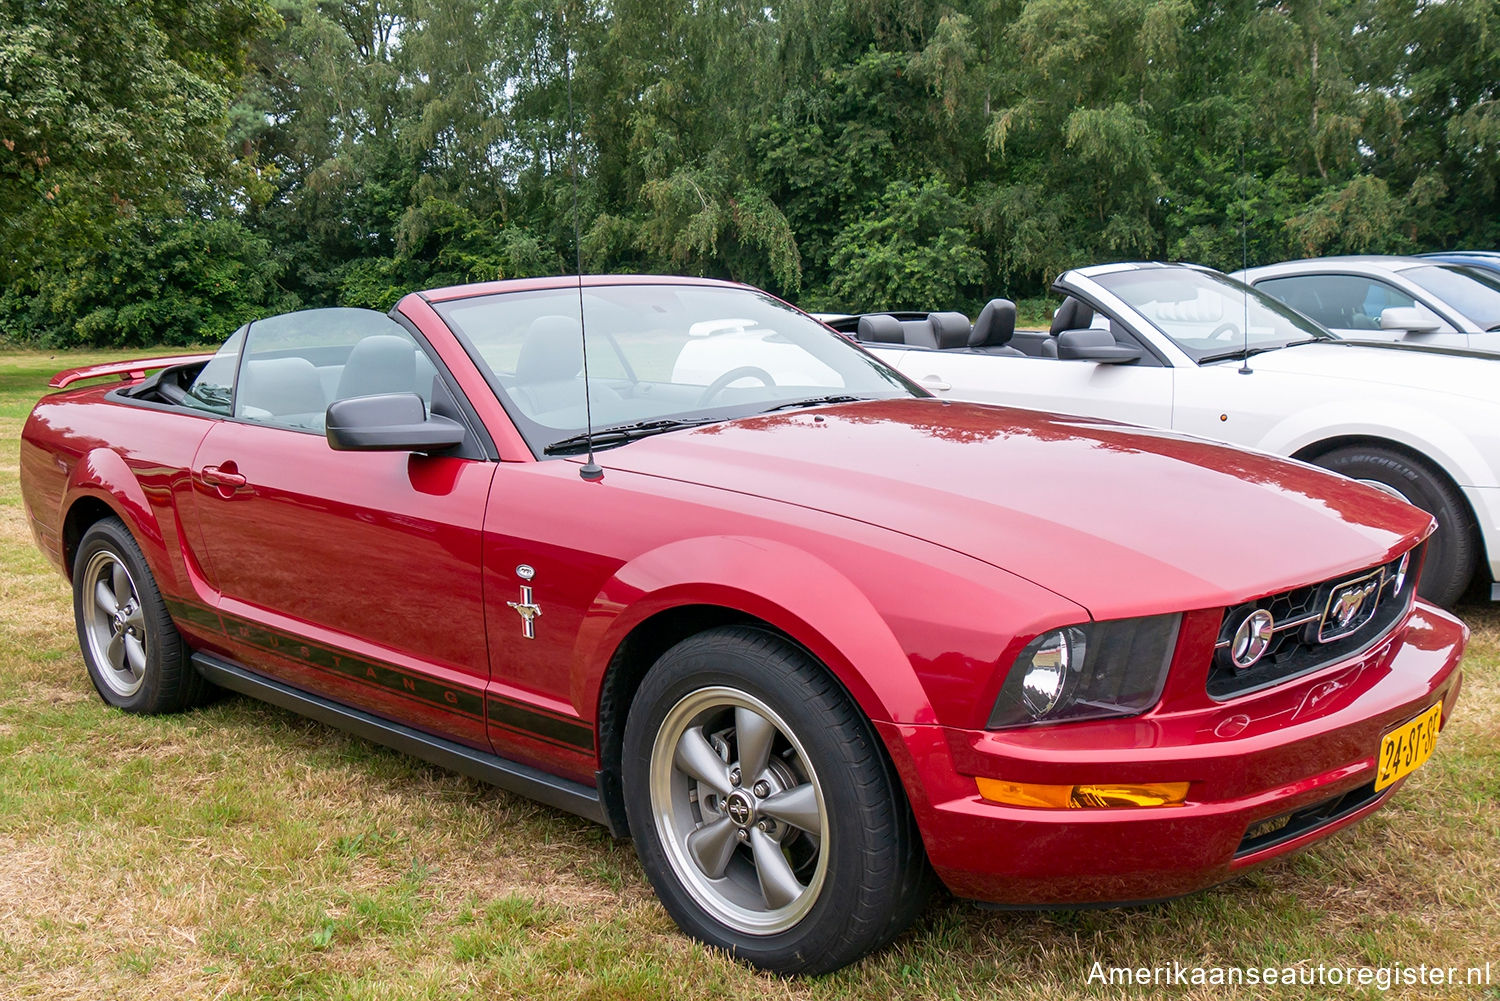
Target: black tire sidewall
{"x":1452,"y":552}
{"x":818,"y":942}
{"x":163,"y":644}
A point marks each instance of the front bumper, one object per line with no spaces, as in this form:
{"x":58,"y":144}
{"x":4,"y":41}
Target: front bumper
{"x":1312,"y":742}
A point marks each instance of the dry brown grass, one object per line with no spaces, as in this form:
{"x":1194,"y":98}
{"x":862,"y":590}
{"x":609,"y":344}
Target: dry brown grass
{"x":240,"y":852}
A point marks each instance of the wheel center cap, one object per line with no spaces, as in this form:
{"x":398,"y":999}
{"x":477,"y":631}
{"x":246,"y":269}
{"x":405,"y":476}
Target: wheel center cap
{"x":739,"y":808}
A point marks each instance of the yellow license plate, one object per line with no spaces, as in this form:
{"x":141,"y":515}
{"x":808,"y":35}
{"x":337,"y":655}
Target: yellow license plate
{"x":1407,"y":746}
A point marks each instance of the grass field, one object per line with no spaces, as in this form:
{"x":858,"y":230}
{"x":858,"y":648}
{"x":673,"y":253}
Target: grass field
{"x":241,"y":852}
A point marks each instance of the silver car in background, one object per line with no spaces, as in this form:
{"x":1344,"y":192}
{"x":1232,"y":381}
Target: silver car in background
{"x":1417,"y":300}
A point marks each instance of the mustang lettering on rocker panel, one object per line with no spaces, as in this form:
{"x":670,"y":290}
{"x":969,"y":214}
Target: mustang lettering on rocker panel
{"x":507,"y":714}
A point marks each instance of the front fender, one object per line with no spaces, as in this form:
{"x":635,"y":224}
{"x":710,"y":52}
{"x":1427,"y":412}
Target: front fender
{"x":766,"y":579}
{"x":1417,"y":428}
{"x":958,"y":620}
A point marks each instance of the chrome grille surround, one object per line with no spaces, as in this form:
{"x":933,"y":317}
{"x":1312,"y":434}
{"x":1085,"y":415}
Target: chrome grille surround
{"x":1316,"y":625}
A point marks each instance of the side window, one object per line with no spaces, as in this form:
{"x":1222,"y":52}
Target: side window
{"x":213,"y":389}
{"x":1345,"y":302}
{"x":298,"y":363}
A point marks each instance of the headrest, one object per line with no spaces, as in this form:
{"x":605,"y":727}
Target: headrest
{"x":1071,"y":315}
{"x":281,"y":386}
{"x":949,"y":330}
{"x":879,"y":328}
{"x":1206,"y":309}
{"x":552,"y":351}
{"x":380,"y":363}
{"x":918,"y":333}
{"x":995,"y":326}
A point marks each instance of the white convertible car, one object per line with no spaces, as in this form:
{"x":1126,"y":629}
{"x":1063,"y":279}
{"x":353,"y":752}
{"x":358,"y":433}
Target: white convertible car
{"x":1191,"y":349}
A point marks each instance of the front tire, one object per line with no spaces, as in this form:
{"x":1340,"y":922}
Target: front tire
{"x":1453,"y":550}
{"x":763,"y":808}
{"x":134,"y":654}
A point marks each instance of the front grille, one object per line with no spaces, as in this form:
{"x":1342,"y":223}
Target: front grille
{"x":1277,"y":830}
{"x":1305,"y":631}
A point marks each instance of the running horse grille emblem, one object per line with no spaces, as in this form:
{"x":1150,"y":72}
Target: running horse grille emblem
{"x":1350,"y":606}
{"x":528,"y":610}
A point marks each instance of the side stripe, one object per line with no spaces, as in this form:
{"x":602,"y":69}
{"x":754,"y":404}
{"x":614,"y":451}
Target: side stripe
{"x":524,"y":719}
{"x":462,"y":700}
{"x":507,"y":714}
{"x":193,"y":614}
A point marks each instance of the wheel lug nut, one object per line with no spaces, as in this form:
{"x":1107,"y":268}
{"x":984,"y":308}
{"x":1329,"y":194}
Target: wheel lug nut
{"x":734,"y":776}
{"x":742,"y":834}
{"x":762,"y":789}
{"x":762,"y":826}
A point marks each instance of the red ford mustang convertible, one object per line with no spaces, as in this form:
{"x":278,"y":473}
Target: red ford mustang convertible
{"x":807,"y":639}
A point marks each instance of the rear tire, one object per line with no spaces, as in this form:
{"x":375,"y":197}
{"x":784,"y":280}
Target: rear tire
{"x":763,"y":807}
{"x":1453,"y":550}
{"x":134,"y":654}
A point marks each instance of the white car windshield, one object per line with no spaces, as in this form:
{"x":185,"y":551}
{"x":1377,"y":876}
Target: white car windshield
{"x":659,"y":355}
{"x":1209,"y":315}
{"x":1468,"y":290}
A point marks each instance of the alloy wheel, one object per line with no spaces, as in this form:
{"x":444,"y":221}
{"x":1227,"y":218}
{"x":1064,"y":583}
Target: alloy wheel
{"x":114,"y":624}
{"x":739,"y":810}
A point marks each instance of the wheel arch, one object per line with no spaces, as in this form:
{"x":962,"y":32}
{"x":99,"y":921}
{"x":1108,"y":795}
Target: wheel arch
{"x":102,"y":484}
{"x":82,"y":514}
{"x":1411,"y":430}
{"x":1313,"y":451}
{"x":1316,"y":450}
{"x":635,"y":655}
{"x":837,"y":632}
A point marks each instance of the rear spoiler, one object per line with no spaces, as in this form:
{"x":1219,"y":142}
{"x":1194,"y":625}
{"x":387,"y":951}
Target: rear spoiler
{"x":130,"y":371}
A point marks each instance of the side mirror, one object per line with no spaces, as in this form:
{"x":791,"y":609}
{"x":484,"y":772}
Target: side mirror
{"x":1093,"y":344}
{"x":396,"y":422}
{"x":1409,"y":319}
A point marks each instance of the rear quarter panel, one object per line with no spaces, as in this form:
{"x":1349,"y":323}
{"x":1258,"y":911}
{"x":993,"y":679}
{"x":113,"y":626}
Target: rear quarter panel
{"x":135,"y":460}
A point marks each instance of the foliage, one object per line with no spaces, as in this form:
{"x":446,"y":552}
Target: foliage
{"x":105,"y":107}
{"x":907,"y":252}
{"x":190,"y":281}
{"x":856,"y":154}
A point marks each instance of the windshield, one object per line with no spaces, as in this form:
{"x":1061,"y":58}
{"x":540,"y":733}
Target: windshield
{"x":1470,"y":291}
{"x":656,"y":353}
{"x":1206,"y":313}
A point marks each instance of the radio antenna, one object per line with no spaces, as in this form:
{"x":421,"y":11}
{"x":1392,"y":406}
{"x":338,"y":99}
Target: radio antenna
{"x":1244,"y":233}
{"x":590,"y":470}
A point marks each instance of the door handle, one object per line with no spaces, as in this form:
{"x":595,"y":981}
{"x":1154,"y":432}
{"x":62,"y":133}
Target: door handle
{"x":935,"y":382}
{"x":216,"y":476}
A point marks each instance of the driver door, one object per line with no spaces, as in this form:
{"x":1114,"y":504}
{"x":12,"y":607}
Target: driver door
{"x":354,"y":575}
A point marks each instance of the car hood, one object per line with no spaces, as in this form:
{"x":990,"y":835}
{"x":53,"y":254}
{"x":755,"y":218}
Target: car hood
{"x":1449,"y":371}
{"x":1121,"y":520}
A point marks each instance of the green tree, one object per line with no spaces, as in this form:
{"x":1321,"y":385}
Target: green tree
{"x":108,"y":108}
{"x":183,"y":281}
{"x":907,"y":252}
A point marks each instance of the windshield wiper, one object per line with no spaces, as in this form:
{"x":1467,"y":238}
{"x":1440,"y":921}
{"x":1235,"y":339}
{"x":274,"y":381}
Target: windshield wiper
{"x":620,"y":435}
{"x":813,"y":401}
{"x":1247,"y":353}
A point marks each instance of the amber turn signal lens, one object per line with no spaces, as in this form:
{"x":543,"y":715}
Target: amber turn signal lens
{"x":1091,"y":796}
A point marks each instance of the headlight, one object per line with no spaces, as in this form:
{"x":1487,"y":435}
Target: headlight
{"x":1044,"y":674}
{"x":1089,"y":671}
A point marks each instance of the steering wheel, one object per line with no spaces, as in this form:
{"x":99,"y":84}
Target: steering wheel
{"x":1224,"y":331}
{"x":718,"y":386}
